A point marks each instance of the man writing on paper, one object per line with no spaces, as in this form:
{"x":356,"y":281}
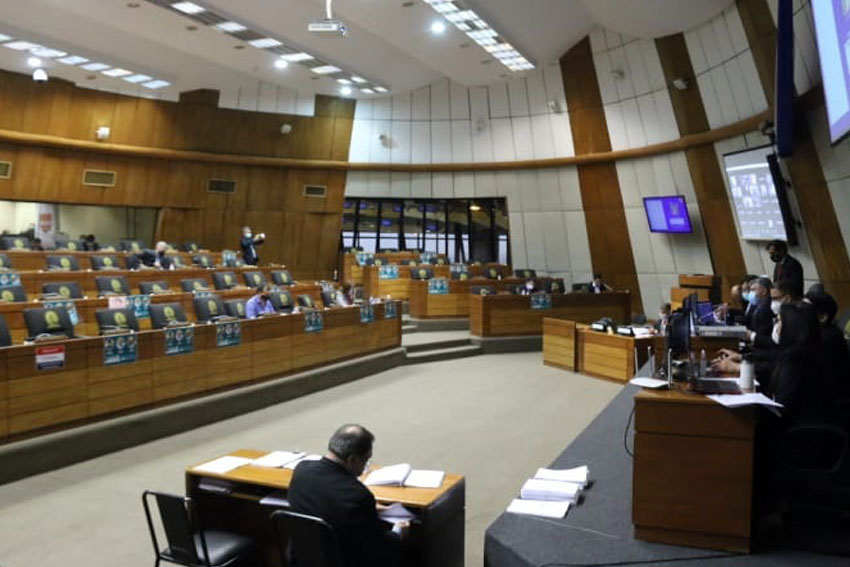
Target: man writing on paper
{"x":330,"y":489}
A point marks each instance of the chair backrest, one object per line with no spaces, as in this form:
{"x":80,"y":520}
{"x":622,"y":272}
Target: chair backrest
{"x":5,"y":337}
{"x":381,"y":261}
{"x":235,"y":308}
{"x":421,"y":273}
{"x":112,"y":284}
{"x":13,"y":294}
{"x":313,"y":540}
{"x":177,"y":517}
{"x":305,"y":300}
{"x":224,"y":280}
{"x":555,"y":285}
{"x":482,"y":290}
{"x":459,"y":274}
{"x":491,"y":273}
{"x":176,"y":260}
{"x":62,"y":262}
{"x":113,"y":319}
{"x":203,"y":260}
{"x":388,"y":250}
{"x":15,"y":243}
{"x":5,"y":262}
{"x":354,"y":249}
{"x":525,"y":273}
{"x":440,"y":261}
{"x":104,"y":262}
{"x":194,"y":284}
{"x":208,"y":308}
{"x":69,"y":245}
{"x":328,"y":298}
{"x":254,"y":279}
{"x":281,"y":301}
{"x":130,"y":245}
{"x":190,"y":246}
{"x":580,"y":286}
{"x":68,"y":290}
{"x":164,"y":313}
{"x":408,"y":262}
{"x":53,"y":321}
{"x":282,"y":277}
{"x":157,"y":286}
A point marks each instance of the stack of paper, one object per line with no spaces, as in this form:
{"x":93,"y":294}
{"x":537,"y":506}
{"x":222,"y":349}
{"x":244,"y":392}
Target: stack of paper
{"x":421,"y":478}
{"x":292,"y":464}
{"x":537,"y":489}
{"x":396,"y":513}
{"x":539,"y":508}
{"x":393,"y":475}
{"x":223,"y":465}
{"x":277,"y":459}
{"x":739,"y":400}
{"x":551,"y":492}
{"x":276,"y":498}
{"x":577,"y":475}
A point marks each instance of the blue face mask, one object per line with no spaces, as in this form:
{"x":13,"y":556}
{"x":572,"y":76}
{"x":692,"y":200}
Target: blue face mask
{"x":750,"y":296}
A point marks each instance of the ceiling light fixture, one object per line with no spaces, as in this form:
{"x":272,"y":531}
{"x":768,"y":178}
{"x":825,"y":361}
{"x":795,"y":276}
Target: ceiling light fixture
{"x":296,"y":57}
{"x":157,"y":84}
{"x":380,"y":89}
{"x":34,"y":62}
{"x":4,"y":37}
{"x":21,"y":45}
{"x":438,"y":27}
{"x":39,"y":76}
{"x":188,"y":7}
{"x":73,"y":60}
{"x":358,"y":80}
{"x":138,"y":78}
{"x":230,"y":27}
{"x":326,"y":69}
{"x":345,"y":91}
{"x":367,"y":91}
{"x":265,"y":43}
{"x":47,"y":52}
{"x":117,"y":72}
{"x":343,"y":81}
{"x":281,"y":63}
{"x":95,"y":66}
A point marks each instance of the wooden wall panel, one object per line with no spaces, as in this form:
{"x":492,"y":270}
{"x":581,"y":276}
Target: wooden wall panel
{"x":607,"y":231}
{"x":715,"y":210}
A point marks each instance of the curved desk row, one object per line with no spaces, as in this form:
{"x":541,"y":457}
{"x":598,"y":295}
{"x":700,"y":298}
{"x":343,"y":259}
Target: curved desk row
{"x":37,"y":259}
{"x":86,"y":388}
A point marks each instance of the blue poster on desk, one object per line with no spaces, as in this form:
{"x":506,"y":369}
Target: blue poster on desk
{"x":120,"y":349}
{"x":428,"y":258}
{"x":388,"y":272}
{"x":390,"y":310}
{"x":365,"y":259}
{"x":180,"y":340}
{"x":541,"y":301}
{"x":438,"y":286}
{"x":202,"y":294}
{"x":314,"y":321}
{"x":140,"y":304}
{"x":9,"y":279}
{"x":228,"y":333}
{"x":367,"y":314}
{"x":69,"y":307}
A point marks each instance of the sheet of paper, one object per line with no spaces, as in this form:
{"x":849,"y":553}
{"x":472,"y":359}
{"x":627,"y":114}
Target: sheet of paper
{"x":739,"y":400}
{"x":277,"y":459}
{"x":223,"y":464}
{"x":539,"y":508}
{"x":648,"y":382}
{"x":276,"y":498}
{"x":292,"y":464}
{"x":424,"y":479}
{"x":537,"y":489}
{"x":396,"y":513}
{"x":392,"y":475}
{"x":577,"y":475}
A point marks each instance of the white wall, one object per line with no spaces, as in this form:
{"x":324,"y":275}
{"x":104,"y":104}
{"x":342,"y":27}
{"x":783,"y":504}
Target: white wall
{"x":17,"y":216}
{"x":108,"y":224}
{"x":268,"y":97}
{"x":835,"y":161}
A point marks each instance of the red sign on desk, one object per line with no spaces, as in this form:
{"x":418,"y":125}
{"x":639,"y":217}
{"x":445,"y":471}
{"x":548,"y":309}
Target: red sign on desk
{"x":50,"y":357}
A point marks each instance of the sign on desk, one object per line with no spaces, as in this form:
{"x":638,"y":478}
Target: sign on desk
{"x":541,"y":301}
{"x":367,"y":314}
{"x":365,"y":258}
{"x":50,"y":357}
{"x":68,"y":305}
{"x":388,"y":272}
{"x":141,"y":305}
{"x":228,"y":334}
{"x":8,"y":279}
{"x":438,"y":286}
{"x":390,"y":310}
{"x":120,"y":349}
{"x":314,"y":321}
{"x":180,"y":340}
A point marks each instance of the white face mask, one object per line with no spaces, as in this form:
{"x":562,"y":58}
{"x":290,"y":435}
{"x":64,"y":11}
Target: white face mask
{"x":662,"y":316}
{"x":777,"y":328}
{"x":775,"y":305}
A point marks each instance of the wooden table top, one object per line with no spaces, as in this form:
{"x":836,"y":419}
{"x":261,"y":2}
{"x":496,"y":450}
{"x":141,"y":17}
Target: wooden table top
{"x":279,"y":479}
{"x":678,"y":395}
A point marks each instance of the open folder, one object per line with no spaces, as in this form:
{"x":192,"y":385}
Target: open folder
{"x":403,"y":475}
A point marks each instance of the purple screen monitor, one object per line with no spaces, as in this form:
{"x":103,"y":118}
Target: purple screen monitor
{"x":667,"y":214}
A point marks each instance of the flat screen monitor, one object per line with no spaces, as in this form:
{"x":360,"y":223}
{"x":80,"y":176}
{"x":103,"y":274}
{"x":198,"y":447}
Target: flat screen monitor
{"x":667,"y":214}
{"x":754,"y":194}
{"x":832,"y":28}
{"x":705,"y":312}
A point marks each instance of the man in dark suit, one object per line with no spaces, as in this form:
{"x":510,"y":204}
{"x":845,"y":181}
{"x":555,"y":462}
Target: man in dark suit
{"x":787,"y":267}
{"x":761,"y":322}
{"x":248,"y":243}
{"x":597,"y":285}
{"x":330,"y":489}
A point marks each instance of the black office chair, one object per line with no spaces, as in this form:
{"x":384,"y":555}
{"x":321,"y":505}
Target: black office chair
{"x":408,"y":262}
{"x":224,"y":280}
{"x":354,"y":249}
{"x":579,"y":287}
{"x":482,"y":290}
{"x":194,"y":284}
{"x":312,"y":541}
{"x":328,"y":298}
{"x":65,"y":290}
{"x":254,"y":279}
{"x":5,"y":337}
{"x":305,"y":301}
{"x":421,"y":273}
{"x":176,"y":261}
{"x":188,"y":543}
{"x":554,"y":285}
{"x":15,"y":243}
{"x":368,"y":261}
{"x":209,"y":308}
{"x":158,"y":286}
{"x":112,"y":285}
{"x":525,"y":274}
{"x":491,"y":273}
{"x":53,"y":321}
{"x":62,"y":263}
{"x":110,"y":320}
{"x":388,"y":250}
{"x":282,"y":277}
{"x":13,"y":294}
{"x":440,"y":261}
{"x":129,"y":245}
{"x":235,"y":308}
{"x":381,"y":261}
{"x":5,"y":263}
{"x":72,"y":245}
{"x":104,"y":262}
{"x":459,"y":275}
{"x":282,"y":301}
{"x":202,"y":260}
{"x":190,"y":246}
{"x":166,"y":314}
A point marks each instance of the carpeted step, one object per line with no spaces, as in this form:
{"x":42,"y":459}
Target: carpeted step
{"x":443,"y":354}
{"x":436,"y":345}
{"x":409,"y":329}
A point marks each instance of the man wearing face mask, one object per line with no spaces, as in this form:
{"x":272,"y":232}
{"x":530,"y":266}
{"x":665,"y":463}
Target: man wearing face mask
{"x":787,"y":267}
{"x":761,"y":321}
{"x":528,"y":288}
{"x":248,"y":244}
{"x":259,"y":304}
{"x":663,"y":319}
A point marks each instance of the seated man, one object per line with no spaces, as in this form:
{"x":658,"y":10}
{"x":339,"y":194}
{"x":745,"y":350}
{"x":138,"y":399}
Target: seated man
{"x":345,"y":296}
{"x":259,"y":304}
{"x":162,"y":261}
{"x":330,"y":489}
{"x":597,"y":285}
{"x":660,"y":325}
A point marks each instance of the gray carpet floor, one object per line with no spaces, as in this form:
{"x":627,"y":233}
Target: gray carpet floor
{"x":493,"y":418}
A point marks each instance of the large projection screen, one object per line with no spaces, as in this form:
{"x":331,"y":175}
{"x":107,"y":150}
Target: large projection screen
{"x":832,"y":27}
{"x":754,"y":195}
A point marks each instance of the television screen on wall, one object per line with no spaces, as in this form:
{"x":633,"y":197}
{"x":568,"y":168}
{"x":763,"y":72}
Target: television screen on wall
{"x":832,"y":28}
{"x":667,"y":214}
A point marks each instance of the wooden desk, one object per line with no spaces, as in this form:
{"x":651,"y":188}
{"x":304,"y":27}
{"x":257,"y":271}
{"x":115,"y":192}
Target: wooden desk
{"x":424,"y":305}
{"x":33,"y":401}
{"x":506,"y":315}
{"x":437,"y":538}
{"x":611,"y":356}
{"x":29,"y":260}
{"x":693,"y":471}
{"x":559,"y":343}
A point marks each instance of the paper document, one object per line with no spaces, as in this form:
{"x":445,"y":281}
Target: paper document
{"x":292,"y":464}
{"x":393,"y":475}
{"x":576,"y":475}
{"x":537,"y":489}
{"x":276,"y":498}
{"x":539,"y":508}
{"x":223,"y":465}
{"x":739,"y":400}
{"x":648,"y":382}
{"x":424,"y":479}
{"x":277,"y":459}
{"x":396,"y":513}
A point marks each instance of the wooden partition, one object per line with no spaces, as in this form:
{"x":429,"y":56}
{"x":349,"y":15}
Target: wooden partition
{"x":424,"y":305}
{"x":611,"y":356}
{"x":32,"y":400}
{"x":507,"y":315}
{"x":559,"y":343}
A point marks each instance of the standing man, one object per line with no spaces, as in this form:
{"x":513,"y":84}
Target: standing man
{"x":259,"y":304}
{"x":597,"y":285}
{"x":787,"y":267}
{"x":330,"y":489}
{"x":248,"y":243}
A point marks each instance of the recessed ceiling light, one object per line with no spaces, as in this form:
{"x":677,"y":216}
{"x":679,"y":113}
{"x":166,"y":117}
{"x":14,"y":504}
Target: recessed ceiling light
{"x":34,"y":62}
{"x":117,"y":72}
{"x":47,"y":52}
{"x":265,"y":43}
{"x":367,"y":91}
{"x":438,"y":27}
{"x":157,"y":84}
{"x":296,"y":57}
{"x":95,"y":66}
{"x":326,"y":69}
{"x":345,"y":91}
{"x":73,"y":60}
{"x":380,"y":89}
{"x":281,"y":63}
{"x":445,"y":7}
{"x":230,"y":27}
{"x":343,"y":81}
{"x":138,"y":78}
{"x":21,"y":45}
{"x":358,"y":80}
{"x":188,"y":7}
